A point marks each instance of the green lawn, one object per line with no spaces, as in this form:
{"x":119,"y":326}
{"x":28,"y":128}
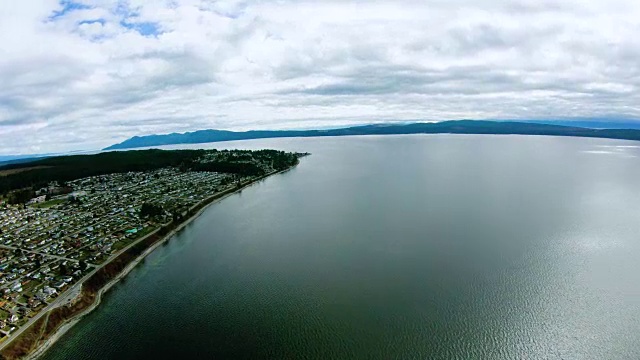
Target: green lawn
{"x":28,"y":288}
{"x":50,"y":203}
{"x":144,"y":232}
{"x":122,"y":244}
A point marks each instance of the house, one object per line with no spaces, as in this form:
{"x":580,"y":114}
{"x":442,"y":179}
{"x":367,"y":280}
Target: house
{"x":41,"y":296}
{"x":38,"y":199}
{"x":17,"y":287}
{"x":49,"y":291}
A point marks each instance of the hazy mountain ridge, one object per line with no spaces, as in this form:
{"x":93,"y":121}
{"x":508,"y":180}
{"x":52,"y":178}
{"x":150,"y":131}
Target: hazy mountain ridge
{"x":452,"y":127}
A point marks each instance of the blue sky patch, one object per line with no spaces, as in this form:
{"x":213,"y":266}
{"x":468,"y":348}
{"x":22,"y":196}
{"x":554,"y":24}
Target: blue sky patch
{"x":144,"y":28}
{"x":101,"y":21}
{"x":67,"y":7}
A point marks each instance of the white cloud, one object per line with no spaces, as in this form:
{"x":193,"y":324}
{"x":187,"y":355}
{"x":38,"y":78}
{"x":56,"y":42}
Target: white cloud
{"x":85,"y":74}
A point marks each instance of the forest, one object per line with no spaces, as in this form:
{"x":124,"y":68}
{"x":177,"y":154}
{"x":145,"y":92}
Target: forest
{"x":34,"y":175}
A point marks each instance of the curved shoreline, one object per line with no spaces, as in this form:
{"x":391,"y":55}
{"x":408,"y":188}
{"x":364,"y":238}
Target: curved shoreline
{"x":43,"y":347}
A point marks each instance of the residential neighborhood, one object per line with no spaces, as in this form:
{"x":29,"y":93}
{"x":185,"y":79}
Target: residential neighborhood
{"x":51,"y":242}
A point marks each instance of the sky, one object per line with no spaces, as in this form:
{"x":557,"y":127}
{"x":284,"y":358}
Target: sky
{"x":82,"y":75}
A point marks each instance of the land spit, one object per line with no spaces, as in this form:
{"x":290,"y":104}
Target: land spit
{"x":34,"y":341}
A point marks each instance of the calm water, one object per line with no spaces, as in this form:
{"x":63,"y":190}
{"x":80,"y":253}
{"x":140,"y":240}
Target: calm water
{"x":398,"y":247}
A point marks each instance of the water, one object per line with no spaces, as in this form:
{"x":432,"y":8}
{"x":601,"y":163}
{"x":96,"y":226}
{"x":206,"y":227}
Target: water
{"x":405,"y":247}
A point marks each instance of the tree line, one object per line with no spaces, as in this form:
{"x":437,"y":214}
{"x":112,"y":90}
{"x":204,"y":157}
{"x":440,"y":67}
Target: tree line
{"x":39,"y":173}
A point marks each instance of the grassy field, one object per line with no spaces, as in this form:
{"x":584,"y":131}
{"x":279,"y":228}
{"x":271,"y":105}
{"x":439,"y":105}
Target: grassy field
{"x":50,"y":203}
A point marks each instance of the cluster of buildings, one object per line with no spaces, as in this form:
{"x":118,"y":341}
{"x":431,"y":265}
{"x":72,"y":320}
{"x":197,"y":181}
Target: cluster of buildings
{"x":48,"y":245}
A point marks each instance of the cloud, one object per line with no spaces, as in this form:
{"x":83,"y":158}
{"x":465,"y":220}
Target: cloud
{"x":83,"y":74}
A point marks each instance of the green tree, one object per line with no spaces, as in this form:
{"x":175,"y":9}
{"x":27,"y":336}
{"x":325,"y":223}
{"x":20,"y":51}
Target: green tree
{"x":63,"y":269}
{"x":151,"y":210}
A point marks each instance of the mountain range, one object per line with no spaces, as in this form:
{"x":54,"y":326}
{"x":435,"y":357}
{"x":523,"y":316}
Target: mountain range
{"x":445,"y":127}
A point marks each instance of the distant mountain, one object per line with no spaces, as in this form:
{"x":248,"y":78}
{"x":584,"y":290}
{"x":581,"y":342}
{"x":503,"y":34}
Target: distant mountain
{"x":592,"y":123}
{"x":19,"y":159}
{"x":445,"y":127}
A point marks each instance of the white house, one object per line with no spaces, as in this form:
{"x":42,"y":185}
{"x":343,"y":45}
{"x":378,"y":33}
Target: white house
{"x":38,"y":199}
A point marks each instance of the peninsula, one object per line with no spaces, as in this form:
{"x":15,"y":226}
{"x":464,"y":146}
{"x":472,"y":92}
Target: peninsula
{"x":72,"y":226}
{"x":444,"y":127}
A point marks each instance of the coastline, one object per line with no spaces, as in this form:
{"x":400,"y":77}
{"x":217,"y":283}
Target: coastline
{"x":43,"y":345}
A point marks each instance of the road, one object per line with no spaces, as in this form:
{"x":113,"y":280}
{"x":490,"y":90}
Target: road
{"x":67,"y":295}
{"x":37,"y":253}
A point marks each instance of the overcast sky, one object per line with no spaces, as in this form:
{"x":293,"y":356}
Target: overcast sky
{"x":86,"y":74}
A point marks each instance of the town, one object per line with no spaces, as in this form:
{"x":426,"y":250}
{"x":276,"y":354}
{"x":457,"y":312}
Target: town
{"x":66,"y":231}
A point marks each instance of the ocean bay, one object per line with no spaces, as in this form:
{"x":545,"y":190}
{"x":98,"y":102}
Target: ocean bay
{"x":422,"y":246}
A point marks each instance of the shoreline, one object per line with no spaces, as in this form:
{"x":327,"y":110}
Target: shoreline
{"x":44,"y":346}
